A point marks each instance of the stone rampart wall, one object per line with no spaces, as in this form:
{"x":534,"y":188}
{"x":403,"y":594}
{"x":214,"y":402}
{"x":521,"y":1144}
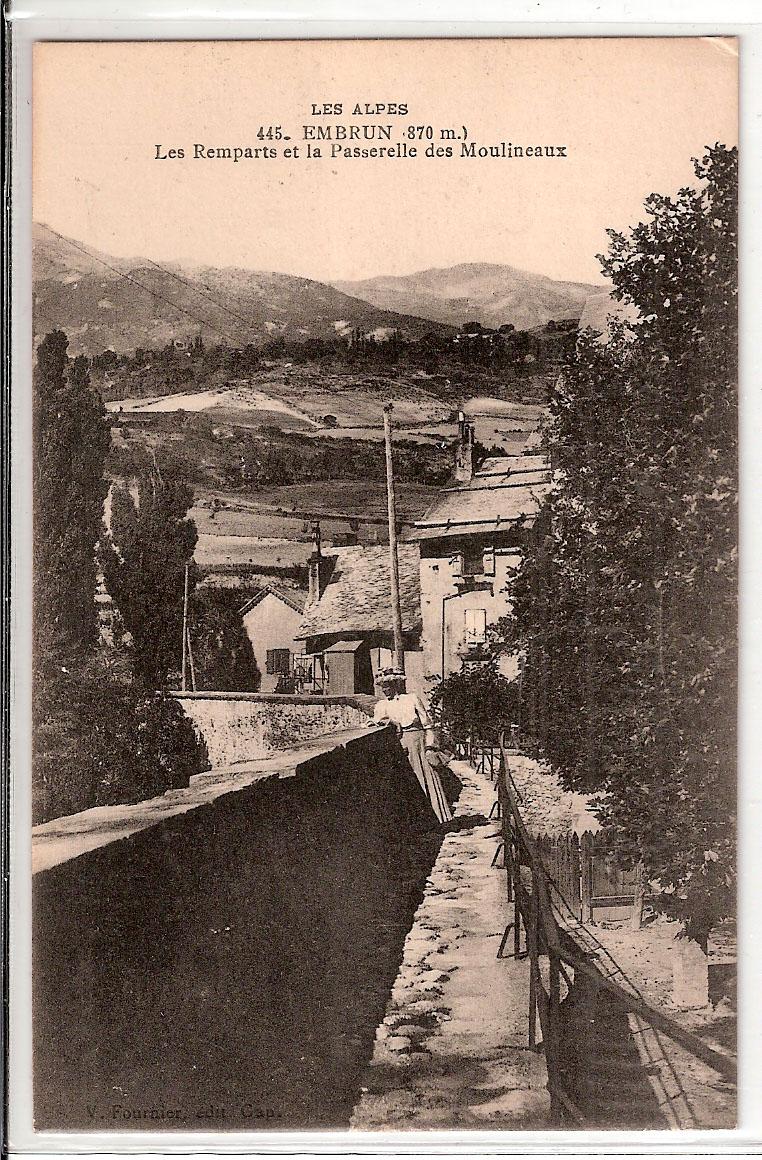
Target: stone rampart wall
{"x":227,"y":968}
{"x":241,"y":727}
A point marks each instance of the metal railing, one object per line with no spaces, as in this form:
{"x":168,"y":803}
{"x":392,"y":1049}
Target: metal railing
{"x":569,"y":954}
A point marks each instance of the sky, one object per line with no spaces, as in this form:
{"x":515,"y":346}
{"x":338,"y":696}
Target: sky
{"x":630,"y":114}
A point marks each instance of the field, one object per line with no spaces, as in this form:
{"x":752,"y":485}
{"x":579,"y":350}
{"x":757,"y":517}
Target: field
{"x":274,"y":424}
{"x":357,"y":400}
{"x":300,"y":401}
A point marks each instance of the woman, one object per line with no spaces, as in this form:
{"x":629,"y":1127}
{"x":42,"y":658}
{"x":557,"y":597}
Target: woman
{"x":408,"y":712}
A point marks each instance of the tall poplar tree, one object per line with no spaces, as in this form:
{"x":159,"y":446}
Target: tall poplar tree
{"x":143,"y":556}
{"x":70,"y":443}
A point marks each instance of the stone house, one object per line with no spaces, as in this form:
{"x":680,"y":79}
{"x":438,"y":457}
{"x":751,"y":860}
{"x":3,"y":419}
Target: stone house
{"x":347,"y":625}
{"x":470,"y":542}
{"x":271,"y":619}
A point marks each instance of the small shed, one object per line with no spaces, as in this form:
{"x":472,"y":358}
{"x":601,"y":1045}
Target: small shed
{"x":349,"y":667}
{"x":347,"y":623}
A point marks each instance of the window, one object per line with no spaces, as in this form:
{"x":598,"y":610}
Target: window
{"x":476,"y":625}
{"x":473,"y":560}
{"x":278,"y":662}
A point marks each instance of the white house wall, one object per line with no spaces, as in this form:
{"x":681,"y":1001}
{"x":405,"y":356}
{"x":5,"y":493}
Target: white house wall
{"x":438,"y":613}
{"x":271,"y":623}
{"x":381,"y":658}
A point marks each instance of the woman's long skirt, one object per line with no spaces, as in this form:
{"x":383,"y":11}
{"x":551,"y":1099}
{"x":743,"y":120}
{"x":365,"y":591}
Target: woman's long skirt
{"x":414,"y":744}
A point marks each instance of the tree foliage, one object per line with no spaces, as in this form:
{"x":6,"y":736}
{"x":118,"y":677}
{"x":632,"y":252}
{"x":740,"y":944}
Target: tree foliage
{"x":98,"y":739}
{"x":222,"y":652}
{"x":102,"y":742}
{"x":475,"y":704}
{"x":143,"y":556}
{"x":71,"y":440}
{"x":625,"y":607}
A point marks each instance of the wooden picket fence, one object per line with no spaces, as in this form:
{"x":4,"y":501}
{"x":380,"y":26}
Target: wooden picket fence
{"x":586,"y":873}
{"x":584,"y":869}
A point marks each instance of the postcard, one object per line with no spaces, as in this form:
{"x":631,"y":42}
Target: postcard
{"x":383,"y":451}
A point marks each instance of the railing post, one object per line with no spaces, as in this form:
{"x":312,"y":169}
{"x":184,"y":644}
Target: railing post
{"x":532,"y":1006}
{"x":552,"y":1052}
{"x":517,"y":924}
{"x":586,"y":870}
{"x":530,"y":928}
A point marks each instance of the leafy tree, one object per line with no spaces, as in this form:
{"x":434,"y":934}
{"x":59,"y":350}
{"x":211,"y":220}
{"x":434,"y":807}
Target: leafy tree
{"x":97,"y":739}
{"x":625,"y":605}
{"x":101,"y":742}
{"x":222,"y":652}
{"x":475,"y":704}
{"x":143,"y":556}
{"x":71,"y":440}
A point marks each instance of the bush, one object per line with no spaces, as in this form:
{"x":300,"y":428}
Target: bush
{"x":98,"y":742}
{"x":475,"y":704}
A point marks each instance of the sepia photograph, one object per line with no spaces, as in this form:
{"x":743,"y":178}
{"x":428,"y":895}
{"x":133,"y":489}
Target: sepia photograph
{"x":384,"y":440}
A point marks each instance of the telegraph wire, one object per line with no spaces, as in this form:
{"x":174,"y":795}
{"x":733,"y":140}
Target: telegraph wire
{"x":170,"y":274}
{"x":147,"y":289}
{"x":202,"y":293}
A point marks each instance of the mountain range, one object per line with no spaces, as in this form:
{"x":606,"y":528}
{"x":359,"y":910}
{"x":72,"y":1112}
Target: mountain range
{"x":102,"y":301}
{"x":476,"y":292}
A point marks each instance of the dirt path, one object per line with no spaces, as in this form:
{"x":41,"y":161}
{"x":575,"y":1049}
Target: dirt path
{"x":451,"y":1051}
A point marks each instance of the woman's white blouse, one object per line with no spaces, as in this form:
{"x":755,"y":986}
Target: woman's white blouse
{"x":402,"y":710}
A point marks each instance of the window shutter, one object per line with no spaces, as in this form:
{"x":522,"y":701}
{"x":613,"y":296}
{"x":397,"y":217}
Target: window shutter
{"x":280,"y":658}
{"x":476,"y":624}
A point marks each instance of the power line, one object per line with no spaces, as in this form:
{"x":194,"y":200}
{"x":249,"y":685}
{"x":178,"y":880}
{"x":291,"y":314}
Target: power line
{"x":146,"y":289}
{"x":202,"y":293}
{"x":170,"y":274}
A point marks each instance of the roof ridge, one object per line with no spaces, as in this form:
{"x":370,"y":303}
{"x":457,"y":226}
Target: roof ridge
{"x":272,"y":590}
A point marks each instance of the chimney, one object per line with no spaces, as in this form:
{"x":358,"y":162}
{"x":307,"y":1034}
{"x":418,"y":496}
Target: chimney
{"x":318,"y":567}
{"x":464,"y":452}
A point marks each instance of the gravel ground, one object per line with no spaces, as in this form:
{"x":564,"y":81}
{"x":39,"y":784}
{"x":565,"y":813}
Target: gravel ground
{"x":452,"y":1051}
{"x":647,"y":957}
{"x":546,"y":807}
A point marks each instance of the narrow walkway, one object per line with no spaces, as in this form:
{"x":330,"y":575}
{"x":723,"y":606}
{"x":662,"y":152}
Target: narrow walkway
{"x":62,"y":839}
{"x":452,"y":1051}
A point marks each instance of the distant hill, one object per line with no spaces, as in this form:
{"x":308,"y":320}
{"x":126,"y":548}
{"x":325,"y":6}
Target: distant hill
{"x":102,"y":301}
{"x":476,"y":291}
{"x":600,"y":307}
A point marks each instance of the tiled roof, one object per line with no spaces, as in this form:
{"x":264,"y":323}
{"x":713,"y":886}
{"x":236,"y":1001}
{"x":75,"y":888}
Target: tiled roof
{"x":505,"y":489}
{"x":357,"y":598}
{"x":513,"y":465}
{"x":292,"y":598}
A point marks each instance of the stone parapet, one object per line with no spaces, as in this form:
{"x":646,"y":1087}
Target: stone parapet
{"x":242,"y":727}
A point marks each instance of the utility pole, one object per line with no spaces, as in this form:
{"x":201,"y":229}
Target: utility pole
{"x":394,"y":566}
{"x":185,"y":626}
{"x":190,"y":659}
